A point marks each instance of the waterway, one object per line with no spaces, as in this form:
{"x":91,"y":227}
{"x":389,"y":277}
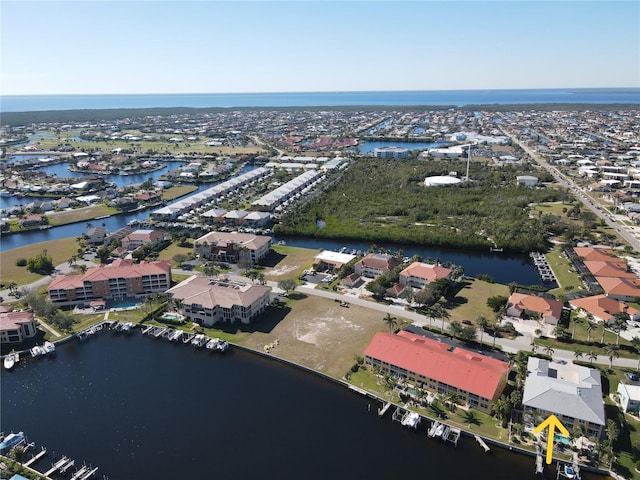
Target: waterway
{"x":139,"y":407}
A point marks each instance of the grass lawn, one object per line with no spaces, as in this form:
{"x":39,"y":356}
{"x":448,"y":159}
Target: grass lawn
{"x":289,"y":262}
{"x":80,"y":214}
{"x":568,"y":279}
{"x":59,"y":250}
{"x":471,"y":300}
{"x":177,"y":191}
{"x":173,"y":250}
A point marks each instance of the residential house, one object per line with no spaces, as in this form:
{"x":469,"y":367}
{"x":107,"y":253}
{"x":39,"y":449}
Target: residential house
{"x":550,"y":310}
{"x":572,"y":393}
{"x":235,"y":217}
{"x":257,"y":219}
{"x":215,"y":215}
{"x":330,"y":259}
{"x":118,"y":280}
{"x":476,"y":380}
{"x":96,"y":236}
{"x":375,"y":264}
{"x":614,"y":268}
{"x":207,"y":302}
{"x":418,"y":274}
{"x":595,"y":254}
{"x":629,"y":395}
{"x":233,"y":246}
{"x":624,"y":289}
{"x":140,"y":238}
{"x":32,"y":221}
{"x":604,"y":308}
{"x":16,"y":326}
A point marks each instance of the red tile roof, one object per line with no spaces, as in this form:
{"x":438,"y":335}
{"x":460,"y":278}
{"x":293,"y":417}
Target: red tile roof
{"x":602,"y":306}
{"x":608,"y":269}
{"x":425,"y":271}
{"x":464,"y":369}
{"x":544,"y":306}
{"x":625,"y":287}
{"x":590,"y":253}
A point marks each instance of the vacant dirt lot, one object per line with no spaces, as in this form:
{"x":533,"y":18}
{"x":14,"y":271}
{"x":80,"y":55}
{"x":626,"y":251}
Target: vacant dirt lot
{"x":319,"y":334}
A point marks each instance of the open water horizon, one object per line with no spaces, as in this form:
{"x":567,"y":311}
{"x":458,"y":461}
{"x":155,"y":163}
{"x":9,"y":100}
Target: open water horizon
{"x":140,"y":407}
{"x":31,"y":103}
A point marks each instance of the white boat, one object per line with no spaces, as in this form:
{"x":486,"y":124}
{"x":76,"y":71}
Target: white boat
{"x":570,"y":471}
{"x":10,"y":360}
{"x":12,"y":440}
{"x":222,"y":346}
{"x":37,"y":351}
{"x":213,"y":344}
{"x":411,"y":420}
{"x":199,"y":340}
{"x":440,"y":430}
{"x":4,"y":193}
{"x":49,"y":347}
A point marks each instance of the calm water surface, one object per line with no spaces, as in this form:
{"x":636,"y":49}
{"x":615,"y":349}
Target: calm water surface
{"x":139,"y":407}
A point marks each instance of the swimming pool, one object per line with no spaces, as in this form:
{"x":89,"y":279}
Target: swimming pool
{"x":124,"y":304}
{"x":171,"y":316}
{"x":561,"y":439}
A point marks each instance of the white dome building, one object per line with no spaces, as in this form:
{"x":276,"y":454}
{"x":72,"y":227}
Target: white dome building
{"x":441,"y":181}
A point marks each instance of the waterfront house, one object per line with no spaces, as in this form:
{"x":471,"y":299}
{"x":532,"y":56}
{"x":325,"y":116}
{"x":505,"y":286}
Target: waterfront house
{"x":233,"y":246}
{"x":573,"y":393}
{"x":32,"y":221}
{"x":95,"y":236}
{"x":140,"y":238}
{"x":418,"y":274}
{"x":477,"y":380}
{"x":257,"y":219}
{"x":206,"y":301}
{"x":120,"y":279}
{"x":604,"y":308}
{"x":629,"y":396}
{"x":375,"y":264}
{"x":328,"y":259}
{"x":16,"y":326}
{"x":550,"y":310}
{"x":614,"y":268}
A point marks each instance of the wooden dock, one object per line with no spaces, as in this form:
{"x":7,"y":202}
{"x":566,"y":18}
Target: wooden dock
{"x":539,"y":464}
{"x":57,"y":466}
{"x":432,"y":431}
{"x":482,"y":443}
{"x":383,"y":410}
{"x":36,"y":457}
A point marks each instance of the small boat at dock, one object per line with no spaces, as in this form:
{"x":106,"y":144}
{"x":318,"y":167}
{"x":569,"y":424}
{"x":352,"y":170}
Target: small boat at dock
{"x":49,"y":348}
{"x":37,"y":351}
{"x":11,"y":359}
{"x":12,"y":440}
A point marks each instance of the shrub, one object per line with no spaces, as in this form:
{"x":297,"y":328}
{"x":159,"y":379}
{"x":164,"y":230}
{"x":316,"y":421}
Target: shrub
{"x":21,"y":262}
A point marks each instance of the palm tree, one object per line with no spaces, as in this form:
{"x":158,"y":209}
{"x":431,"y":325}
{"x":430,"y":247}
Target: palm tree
{"x":13,"y":286}
{"x":612,"y":352}
{"x":592,"y":356}
{"x":391,"y":322}
{"x":533,"y":346}
{"x":590,"y":326}
{"x":548,"y":350}
{"x":635,"y":343}
{"x":578,"y":354}
{"x":482,"y":322}
{"x":619,"y":324}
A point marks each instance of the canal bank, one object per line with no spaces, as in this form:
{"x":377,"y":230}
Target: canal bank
{"x":151,"y":393}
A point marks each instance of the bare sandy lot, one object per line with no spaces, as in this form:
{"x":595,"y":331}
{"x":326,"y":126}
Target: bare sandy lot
{"x":319,"y":334}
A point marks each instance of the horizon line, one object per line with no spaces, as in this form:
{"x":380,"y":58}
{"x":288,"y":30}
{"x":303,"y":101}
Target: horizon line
{"x":297,"y":92}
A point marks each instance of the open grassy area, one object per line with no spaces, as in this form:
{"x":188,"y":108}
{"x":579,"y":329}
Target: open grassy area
{"x":291,"y":261}
{"x":59,"y":250}
{"x":568,"y":279}
{"x":173,"y":250}
{"x":471,"y":300}
{"x":80,"y":215}
{"x":177,"y":191}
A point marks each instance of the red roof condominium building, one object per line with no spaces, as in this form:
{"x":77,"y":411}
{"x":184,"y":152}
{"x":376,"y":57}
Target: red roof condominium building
{"x":476,"y":379}
{"x":121,"y":279}
{"x":206,"y":301}
{"x":375,"y":264}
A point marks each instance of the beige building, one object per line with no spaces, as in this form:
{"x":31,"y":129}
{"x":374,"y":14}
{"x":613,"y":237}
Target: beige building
{"x":16,"y":327}
{"x":419,"y":274}
{"x":207,"y":302}
{"x":233,"y":247}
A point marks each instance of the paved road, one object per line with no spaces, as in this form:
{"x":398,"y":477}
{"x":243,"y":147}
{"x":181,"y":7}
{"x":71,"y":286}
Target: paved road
{"x":522,"y":342}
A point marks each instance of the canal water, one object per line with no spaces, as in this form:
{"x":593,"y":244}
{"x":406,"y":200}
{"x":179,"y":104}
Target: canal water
{"x":140,"y":407}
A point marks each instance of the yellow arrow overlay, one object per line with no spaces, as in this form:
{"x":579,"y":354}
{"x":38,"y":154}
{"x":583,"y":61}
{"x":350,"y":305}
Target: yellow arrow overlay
{"x":552,"y":422}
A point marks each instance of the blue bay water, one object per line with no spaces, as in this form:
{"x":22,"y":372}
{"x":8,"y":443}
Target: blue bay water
{"x":23,"y":103}
{"x":143,"y":408}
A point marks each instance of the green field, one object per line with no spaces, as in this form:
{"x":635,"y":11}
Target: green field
{"x":59,"y":250}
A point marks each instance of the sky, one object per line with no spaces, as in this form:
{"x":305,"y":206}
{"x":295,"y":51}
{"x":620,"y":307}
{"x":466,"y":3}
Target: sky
{"x":118,"y":47}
